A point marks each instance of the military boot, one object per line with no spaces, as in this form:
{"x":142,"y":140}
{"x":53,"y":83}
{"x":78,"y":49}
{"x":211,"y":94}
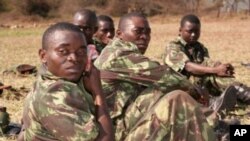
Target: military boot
{"x":4,"y":120}
{"x":226,"y":101}
{"x":222,"y":129}
{"x":243,"y":93}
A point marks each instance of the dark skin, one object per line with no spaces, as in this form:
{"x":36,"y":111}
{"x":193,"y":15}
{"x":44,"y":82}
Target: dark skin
{"x":190,"y":32}
{"x":66,"y":57}
{"x":105,"y":32}
{"x":87,"y":24}
{"x":137,"y":31}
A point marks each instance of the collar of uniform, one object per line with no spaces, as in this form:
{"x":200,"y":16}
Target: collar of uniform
{"x":44,"y":73}
{"x":183,"y":42}
{"x":96,"y":40}
{"x":117,"y":42}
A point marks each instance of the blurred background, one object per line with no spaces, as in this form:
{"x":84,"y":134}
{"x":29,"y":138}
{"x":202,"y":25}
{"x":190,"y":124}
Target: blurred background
{"x":37,"y":10}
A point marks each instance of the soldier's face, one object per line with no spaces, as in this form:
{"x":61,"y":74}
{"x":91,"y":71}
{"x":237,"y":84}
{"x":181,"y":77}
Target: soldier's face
{"x":190,"y":32}
{"x":87,"y":25}
{"x":137,"y":31}
{"x":66,"y":55}
{"x":105,"y":32}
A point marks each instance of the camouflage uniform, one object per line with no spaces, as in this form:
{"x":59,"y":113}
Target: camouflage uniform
{"x":99,"y":45}
{"x":143,"y":98}
{"x":57,"y":109}
{"x":177,"y":53}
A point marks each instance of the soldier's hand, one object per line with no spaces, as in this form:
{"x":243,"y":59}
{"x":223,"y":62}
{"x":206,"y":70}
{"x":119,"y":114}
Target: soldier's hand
{"x":92,"y":80}
{"x":224,"y":70}
{"x":230,"y":69}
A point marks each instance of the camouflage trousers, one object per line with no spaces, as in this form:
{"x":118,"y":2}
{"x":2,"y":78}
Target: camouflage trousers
{"x":155,"y":116}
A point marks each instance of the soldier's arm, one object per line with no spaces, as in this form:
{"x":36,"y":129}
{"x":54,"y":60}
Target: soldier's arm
{"x":198,"y":69}
{"x":93,"y":84}
{"x":179,"y":61}
{"x":174,"y":57}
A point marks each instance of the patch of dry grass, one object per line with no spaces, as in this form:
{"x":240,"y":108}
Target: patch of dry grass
{"x":227,"y":41}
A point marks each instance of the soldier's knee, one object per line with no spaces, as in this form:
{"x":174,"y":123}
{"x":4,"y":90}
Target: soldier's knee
{"x":181,"y":95}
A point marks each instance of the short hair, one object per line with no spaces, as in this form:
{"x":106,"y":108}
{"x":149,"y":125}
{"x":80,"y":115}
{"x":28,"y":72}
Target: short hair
{"x":61,"y":26}
{"x":87,"y":13}
{"x":127,"y":17}
{"x":105,"y":18}
{"x":191,"y":18}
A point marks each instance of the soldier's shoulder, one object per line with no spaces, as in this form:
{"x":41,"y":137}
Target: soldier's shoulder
{"x":51,"y":86}
{"x":118,"y":45}
{"x":174,"y":45}
{"x":202,"y":46}
{"x":175,"y":41}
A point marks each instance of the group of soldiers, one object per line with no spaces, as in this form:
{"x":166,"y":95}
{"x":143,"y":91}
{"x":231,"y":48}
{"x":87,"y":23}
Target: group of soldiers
{"x":94,"y":86}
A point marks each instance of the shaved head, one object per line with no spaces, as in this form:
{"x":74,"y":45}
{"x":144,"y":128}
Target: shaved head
{"x":105,"y":18}
{"x":124,"y":19}
{"x":86,"y":20}
{"x":86,"y":13}
{"x":190,"y":18}
{"x":62,"y":26}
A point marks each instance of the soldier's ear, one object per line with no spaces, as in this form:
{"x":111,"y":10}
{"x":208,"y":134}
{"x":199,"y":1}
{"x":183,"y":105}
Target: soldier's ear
{"x":118,"y":33}
{"x":180,"y":31}
{"x":95,"y":29}
{"x":42,"y":55}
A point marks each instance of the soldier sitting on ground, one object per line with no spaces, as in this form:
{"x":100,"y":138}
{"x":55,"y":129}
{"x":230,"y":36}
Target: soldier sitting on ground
{"x":86,"y":20}
{"x":64,"y":104}
{"x":189,"y":57}
{"x":147,"y":100}
{"x":105,"y":32}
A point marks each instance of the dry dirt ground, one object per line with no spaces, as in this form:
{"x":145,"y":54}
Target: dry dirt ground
{"x":227,"y":41}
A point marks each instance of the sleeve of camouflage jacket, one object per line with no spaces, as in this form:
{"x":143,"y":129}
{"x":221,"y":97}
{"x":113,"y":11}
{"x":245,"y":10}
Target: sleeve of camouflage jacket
{"x":174,"y":57}
{"x":66,"y":112}
{"x":122,"y":61}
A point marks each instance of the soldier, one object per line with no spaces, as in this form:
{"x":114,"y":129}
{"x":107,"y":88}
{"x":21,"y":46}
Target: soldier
{"x":64,"y":104}
{"x":105,"y":32}
{"x":142,"y":95}
{"x":86,"y":20}
{"x":189,"y":57}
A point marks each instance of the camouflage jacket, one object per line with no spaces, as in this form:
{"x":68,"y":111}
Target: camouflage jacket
{"x":99,"y":45}
{"x":57,"y":109}
{"x":177,"y":53}
{"x":125,"y":73}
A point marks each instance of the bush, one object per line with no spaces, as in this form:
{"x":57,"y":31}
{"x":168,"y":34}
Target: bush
{"x":3,"y":5}
{"x":117,"y":7}
{"x":43,"y":8}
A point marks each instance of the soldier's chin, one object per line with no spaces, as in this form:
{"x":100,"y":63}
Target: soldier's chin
{"x":106,"y":41}
{"x":142,"y":48}
{"x":192,"y":41}
{"x":73,"y":77}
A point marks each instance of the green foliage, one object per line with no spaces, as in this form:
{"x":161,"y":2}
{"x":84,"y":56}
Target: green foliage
{"x":118,"y":7}
{"x":3,"y":5}
{"x":93,"y":2}
{"x":43,"y":8}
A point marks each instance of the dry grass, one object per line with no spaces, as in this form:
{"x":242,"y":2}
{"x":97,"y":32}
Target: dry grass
{"x":227,"y":41}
